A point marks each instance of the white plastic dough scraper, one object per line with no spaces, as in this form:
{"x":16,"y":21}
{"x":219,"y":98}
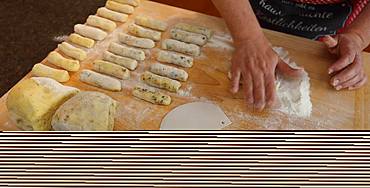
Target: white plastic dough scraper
{"x":195,"y":116}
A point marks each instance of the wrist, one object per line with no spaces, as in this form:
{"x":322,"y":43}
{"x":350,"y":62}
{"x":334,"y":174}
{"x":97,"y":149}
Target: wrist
{"x":249,"y":37}
{"x":359,"y":37}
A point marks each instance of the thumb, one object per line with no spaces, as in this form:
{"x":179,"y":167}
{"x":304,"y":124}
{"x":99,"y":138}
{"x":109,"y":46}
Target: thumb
{"x":289,"y":71}
{"x":330,"y":42}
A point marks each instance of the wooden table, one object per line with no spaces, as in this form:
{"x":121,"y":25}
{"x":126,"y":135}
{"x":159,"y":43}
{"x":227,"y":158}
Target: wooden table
{"x":208,"y":82}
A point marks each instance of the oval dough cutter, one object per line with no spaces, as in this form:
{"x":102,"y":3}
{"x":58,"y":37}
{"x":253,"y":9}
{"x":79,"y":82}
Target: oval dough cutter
{"x":195,"y":116}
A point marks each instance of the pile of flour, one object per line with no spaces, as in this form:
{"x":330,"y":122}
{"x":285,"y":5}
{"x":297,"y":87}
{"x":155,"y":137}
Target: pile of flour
{"x":293,"y":94}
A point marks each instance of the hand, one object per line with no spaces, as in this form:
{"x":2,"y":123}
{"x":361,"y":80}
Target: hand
{"x":348,"y":70}
{"x":256,"y":62}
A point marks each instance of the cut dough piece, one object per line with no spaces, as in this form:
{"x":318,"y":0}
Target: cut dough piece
{"x":125,"y":51}
{"x":195,"y":29}
{"x":32,"y":102}
{"x":168,"y":71}
{"x":131,"y":64}
{"x":136,"y":41}
{"x":151,"y":23}
{"x":90,"y":32}
{"x":41,"y":70}
{"x":58,"y":60}
{"x":161,"y":82}
{"x":151,"y":96}
{"x":112,"y":15}
{"x":144,"y":32}
{"x":86,"y":111}
{"x":134,"y":3}
{"x":100,"y":80}
{"x":111,"y":69}
{"x":118,"y":7}
{"x":181,"y":47}
{"x":101,"y":23}
{"x":188,"y":37}
{"x":71,"y":51}
{"x":81,"y":41}
{"x":175,"y":58}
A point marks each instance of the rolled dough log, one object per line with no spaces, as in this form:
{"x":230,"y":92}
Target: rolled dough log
{"x":100,"y":80}
{"x":161,"y":82}
{"x":32,"y":102}
{"x":58,"y":60}
{"x":81,"y":41}
{"x":136,"y":41}
{"x":151,"y":23}
{"x":151,"y":96}
{"x":188,"y":37}
{"x":168,"y":71}
{"x":195,"y":29}
{"x":41,"y":70}
{"x":125,"y":51}
{"x":131,"y":64}
{"x":101,"y":23}
{"x":134,"y":3}
{"x":175,"y":58}
{"x":71,"y":51}
{"x":181,"y":47}
{"x":112,"y":15}
{"x":144,"y":32}
{"x":111,"y":69}
{"x":118,"y":7}
{"x":90,"y":32}
{"x":87,"y":111}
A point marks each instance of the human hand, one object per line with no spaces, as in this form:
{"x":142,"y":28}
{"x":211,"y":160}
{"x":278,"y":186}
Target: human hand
{"x":254,"y":63}
{"x":348,"y":71}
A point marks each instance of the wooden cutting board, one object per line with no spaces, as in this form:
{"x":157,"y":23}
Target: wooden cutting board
{"x":208,"y":82}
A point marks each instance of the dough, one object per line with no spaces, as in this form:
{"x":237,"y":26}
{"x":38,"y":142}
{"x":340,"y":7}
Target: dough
{"x":125,"y":51}
{"x":111,"y":69}
{"x":151,"y":23}
{"x":131,"y":64}
{"x":184,"y":36}
{"x":151,"y":96}
{"x":58,"y":60}
{"x":32,"y":102}
{"x":112,"y":15}
{"x":168,"y":71}
{"x":87,"y":111}
{"x":118,"y":7}
{"x":181,"y":47}
{"x":136,"y":41}
{"x":144,"y":32}
{"x":161,"y":82}
{"x":100,"y":80}
{"x":175,"y":58}
{"x":71,"y":51}
{"x":81,"y":41}
{"x":101,"y":23}
{"x":41,"y":70}
{"x":134,"y":3}
{"x":90,"y":32}
{"x":195,"y":29}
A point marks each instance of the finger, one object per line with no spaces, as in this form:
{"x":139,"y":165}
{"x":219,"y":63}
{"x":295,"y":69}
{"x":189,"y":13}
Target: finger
{"x":347,"y":74}
{"x":359,"y":84}
{"x":329,"y":41}
{"x":344,"y":60}
{"x":248,"y":89}
{"x":351,"y":82}
{"x":270,"y":90}
{"x":287,"y":70}
{"x":235,"y":78}
{"x":259,"y":91}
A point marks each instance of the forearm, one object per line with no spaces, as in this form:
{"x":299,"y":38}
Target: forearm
{"x":361,"y":27}
{"x":240,"y":19}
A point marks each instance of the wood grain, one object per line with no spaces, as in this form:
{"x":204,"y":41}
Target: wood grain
{"x":208,"y":82}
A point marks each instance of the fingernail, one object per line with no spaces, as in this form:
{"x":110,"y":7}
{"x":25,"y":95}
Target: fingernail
{"x":330,"y":71}
{"x":338,"y":88}
{"x":336,"y":82}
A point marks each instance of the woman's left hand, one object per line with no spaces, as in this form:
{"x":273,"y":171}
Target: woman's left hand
{"x":348,"y":71}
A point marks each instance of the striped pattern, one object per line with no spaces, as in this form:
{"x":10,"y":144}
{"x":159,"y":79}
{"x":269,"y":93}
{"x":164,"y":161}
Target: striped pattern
{"x":185,"y":159}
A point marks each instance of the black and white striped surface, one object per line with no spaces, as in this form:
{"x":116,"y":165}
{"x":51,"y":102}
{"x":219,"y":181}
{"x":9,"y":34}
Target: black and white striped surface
{"x":185,"y":159}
